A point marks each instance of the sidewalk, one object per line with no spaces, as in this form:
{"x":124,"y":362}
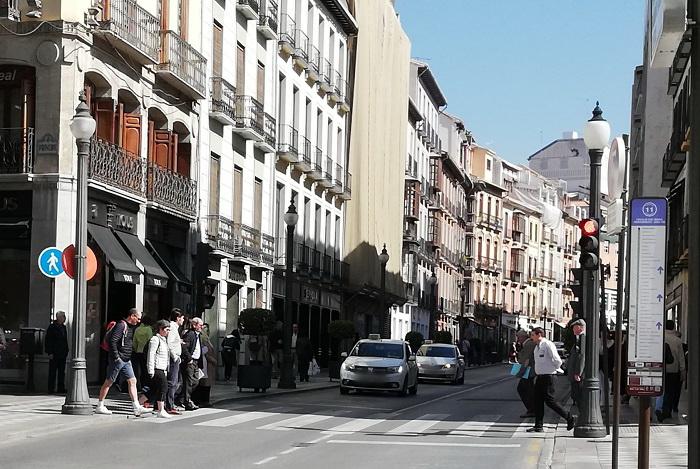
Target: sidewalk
{"x":668,"y":443}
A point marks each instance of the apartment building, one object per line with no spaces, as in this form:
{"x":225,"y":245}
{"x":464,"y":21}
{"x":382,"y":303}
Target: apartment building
{"x":142,"y":69}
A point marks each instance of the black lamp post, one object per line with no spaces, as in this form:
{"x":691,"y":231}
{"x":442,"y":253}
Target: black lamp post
{"x":432,"y":280}
{"x":596,"y":135}
{"x":78,"y":400}
{"x":384,"y":311}
{"x":287,"y":372}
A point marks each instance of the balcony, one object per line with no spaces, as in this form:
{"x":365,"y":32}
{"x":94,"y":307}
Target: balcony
{"x":222,"y":100}
{"x":316,"y":172}
{"x":16,"y":150}
{"x":345,"y":96}
{"x":337,"y":187}
{"x":288,"y":145}
{"x":171,"y":190}
{"x":335,"y":95}
{"x":489,"y":265}
{"x":410,"y":233}
{"x":116,"y":167}
{"x":241,"y":242}
{"x":678,"y":246}
{"x":317,"y":264}
{"x":305,"y":154}
{"x":300,"y":55}
{"x":347,"y":187}
{"x":490,"y":221}
{"x":313,"y":73}
{"x":675,"y":155}
{"x":411,"y":171}
{"x":326,"y":76}
{"x":410,"y":209}
{"x":252,"y":123}
{"x":248,"y":8}
{"x":516,"y":276}
{"x":286,"y":36}
{"x":182,"y":65}
{"x":134,"y":29}
{"x":269,"y":141}
{"x":267,"y":22}
{"x":326,"y":180}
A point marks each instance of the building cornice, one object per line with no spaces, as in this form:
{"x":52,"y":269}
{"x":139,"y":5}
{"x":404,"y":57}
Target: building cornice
{"x":340,"y":11}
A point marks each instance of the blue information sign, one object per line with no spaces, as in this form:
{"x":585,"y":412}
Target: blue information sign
{"x":50,"y":262}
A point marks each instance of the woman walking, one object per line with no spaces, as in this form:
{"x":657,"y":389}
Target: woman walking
{"x":157,"y":364}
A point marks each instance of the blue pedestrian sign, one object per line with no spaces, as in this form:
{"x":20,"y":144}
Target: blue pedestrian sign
{"x":50,"y":262}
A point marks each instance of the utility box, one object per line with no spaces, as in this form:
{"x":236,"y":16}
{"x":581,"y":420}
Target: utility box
{"x":31,"y":341}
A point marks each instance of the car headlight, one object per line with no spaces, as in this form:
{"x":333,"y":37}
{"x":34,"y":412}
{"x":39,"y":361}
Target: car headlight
{"x":419,"y":365}
{"x":395,"y":369}
{"x":447,"y":366}
{"x":348,"y":366}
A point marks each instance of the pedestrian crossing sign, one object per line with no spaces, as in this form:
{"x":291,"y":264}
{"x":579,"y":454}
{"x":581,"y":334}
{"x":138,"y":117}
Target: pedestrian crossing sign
{"x":50,"y":262}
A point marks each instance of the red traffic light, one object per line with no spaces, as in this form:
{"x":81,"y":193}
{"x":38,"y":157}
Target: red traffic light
{"x":588,"y":227}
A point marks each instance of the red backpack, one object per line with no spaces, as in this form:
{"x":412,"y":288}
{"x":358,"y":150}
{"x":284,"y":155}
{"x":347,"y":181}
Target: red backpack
{"x":104,"y":345}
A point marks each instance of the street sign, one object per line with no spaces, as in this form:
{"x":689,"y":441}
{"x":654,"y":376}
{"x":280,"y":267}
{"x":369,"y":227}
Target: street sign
{"x":50,"y":262}
{"x":645,"y":355}
{"x":68,"y":260}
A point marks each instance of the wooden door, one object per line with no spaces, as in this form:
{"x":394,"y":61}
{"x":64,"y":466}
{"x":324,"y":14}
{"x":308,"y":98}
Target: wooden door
{"x":183,"y":159}
{"x":161,"y":142}
{"x":103,"y":111}
{"x":131,"y":133}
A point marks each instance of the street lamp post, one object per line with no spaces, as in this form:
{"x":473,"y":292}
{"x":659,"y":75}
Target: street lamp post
{"x":384,"y":311}
{"x":287,"y":372}
{"x":432,"y":280}
{"x":78,"y":400}
{"x":596,"y":135}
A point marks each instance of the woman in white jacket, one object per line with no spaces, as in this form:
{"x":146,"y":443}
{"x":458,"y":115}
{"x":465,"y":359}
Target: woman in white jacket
{"x":157,"y":365}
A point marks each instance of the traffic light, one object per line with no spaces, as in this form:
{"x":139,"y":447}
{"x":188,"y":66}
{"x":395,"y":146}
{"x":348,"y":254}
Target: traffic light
{"x":589,"y":244}
{"x":577,"y":284}
{"x":204,"y":291}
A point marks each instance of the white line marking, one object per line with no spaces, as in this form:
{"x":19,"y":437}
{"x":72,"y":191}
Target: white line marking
{"x":236,"y":419}
{"x":477,"y":427}
{"x":266,"y":460}
{"x":418,"y":425}
{"x":355,"y":425}
{"x":187,"y":415}
{"x":295,"y":422}
{"x":290,"y":450}
{"x":423,"y":443}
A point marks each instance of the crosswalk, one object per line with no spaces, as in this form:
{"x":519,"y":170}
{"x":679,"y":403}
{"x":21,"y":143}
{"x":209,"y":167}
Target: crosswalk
{"x":334,"y":423}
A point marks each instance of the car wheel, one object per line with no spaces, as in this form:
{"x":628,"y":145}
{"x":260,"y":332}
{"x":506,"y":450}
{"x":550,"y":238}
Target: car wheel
{"x":404,"y":389}
{"x":414,"y":389}
{"x":461,"y":380}
{"x":344,"y":391}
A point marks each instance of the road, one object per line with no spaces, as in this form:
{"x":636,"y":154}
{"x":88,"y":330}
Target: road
{"x":443,"y":426}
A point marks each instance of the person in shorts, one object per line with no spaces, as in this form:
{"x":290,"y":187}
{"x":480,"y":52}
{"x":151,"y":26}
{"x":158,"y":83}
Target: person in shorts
{"x":120,"y":340}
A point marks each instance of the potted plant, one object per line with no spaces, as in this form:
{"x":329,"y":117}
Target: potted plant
{"x":415,"y":340}
{"x":339,"y":332}
{"x":255,"y":324}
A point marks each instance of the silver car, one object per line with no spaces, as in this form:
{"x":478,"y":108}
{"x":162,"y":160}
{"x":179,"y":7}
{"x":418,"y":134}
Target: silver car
{"x":440,"y":362}
{"x":380,"y":364}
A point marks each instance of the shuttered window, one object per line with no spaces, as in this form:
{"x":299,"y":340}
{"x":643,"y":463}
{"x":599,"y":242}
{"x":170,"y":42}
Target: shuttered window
{"x":183,"y":18}
{"x":218,"y":52}
{"x":184,"y":158}
{"x":237,"y":194}
{"x":261,"y":83}
{"x":159,"y":148}
{"x":240,"y":69}
{"x":131,"y":132}
{"x":257,"y":211}
{"x":103,"y":111}
{"x":214,"y":175}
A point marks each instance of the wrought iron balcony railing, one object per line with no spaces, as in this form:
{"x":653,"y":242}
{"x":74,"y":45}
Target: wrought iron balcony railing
{"x":241,"y":241}
{"x":16,"y":150}
{"x":288,"y":145}
{"x":133,"y":25}
{"x":269,"y":131}
{"x":337,"y":92}
{"x":183,"y":61}
{"x":223,"y":100}
{"x":249,"y":8}
{"x":286,"y":35}
{"x":172,"y":190}
{"x":326,"y":75}
{"x":301,"y":47}
{"x":249,"y":114}
{"x":114,"y":166}
{"x":338,"y":179}
{"x":314,"y":70}
{"x":267,"y":22}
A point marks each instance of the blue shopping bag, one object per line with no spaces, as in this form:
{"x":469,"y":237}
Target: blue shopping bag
{"x":517,"y":370}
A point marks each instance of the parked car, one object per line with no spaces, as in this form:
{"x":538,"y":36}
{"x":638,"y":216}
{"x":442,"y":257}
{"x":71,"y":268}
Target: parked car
{"x":440,"y":362}
{"x":380,"y":364}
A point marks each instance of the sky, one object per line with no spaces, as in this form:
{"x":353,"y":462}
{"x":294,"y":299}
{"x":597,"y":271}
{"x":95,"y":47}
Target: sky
{"x":522,"y":72}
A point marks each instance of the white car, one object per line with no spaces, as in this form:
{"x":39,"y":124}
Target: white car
{"x":440,"y":362}
{"x":376,"y":364}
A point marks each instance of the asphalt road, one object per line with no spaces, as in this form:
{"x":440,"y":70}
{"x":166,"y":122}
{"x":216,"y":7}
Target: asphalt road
{"x":474,"y":425}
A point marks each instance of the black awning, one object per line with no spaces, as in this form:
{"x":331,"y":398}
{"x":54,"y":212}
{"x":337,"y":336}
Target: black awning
{"x":155,"y":277}
{"x":170,"y":266}
{"x":123,"y":267}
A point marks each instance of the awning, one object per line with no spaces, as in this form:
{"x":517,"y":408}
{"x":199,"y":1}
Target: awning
{"x":170,"y":266}
{"x":155,"y":277}
{"x":123,"y":267}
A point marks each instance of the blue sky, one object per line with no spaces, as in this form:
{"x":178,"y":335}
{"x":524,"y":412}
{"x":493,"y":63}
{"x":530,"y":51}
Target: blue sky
{"x":521,"y":72}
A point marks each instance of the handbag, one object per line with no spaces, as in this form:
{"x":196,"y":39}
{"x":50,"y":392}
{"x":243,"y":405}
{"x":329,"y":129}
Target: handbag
{"x":199,"y":374}
{"x":521,"y":371}
{"x":314,"y":369}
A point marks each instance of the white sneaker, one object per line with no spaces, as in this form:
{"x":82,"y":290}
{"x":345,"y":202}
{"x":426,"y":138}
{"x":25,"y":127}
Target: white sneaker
{"x":139,"y":410}
{"x":102,"y":409}
{"x":163,"y":415}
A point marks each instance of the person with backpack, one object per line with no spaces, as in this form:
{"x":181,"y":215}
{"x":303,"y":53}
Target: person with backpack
{"x":229,"y":351}
{"x":157,"y":363}
{"x":120,"y":342}
{"x":674,"y":359}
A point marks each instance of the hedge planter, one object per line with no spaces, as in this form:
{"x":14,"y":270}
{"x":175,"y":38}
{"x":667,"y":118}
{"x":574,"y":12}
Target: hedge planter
{"x":255,"y":377}
{"x":334,"y":369}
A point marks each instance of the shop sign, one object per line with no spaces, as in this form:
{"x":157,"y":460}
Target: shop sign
{"x":236,"y":274}
{"x":15,"y":205}
{"x":309,"y":295}
{"x":8,"y":75}
{"x":112,"y":216}
{"x":47,"y":145}
{"x":509,"y":320}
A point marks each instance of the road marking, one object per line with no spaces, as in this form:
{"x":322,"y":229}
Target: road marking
{"x":335,"y":406}
{"x":236,"y":419}
{"x":295,"y":422}
{"x":266,"y":460}
{"x":187,"y":415}
{"x":447,"y":396}
{"x":423,"y":443}
{"x":418,"y":425}
{"x":354,"y":425}
{"x":475,"y":428}
{"x":291,"y":450}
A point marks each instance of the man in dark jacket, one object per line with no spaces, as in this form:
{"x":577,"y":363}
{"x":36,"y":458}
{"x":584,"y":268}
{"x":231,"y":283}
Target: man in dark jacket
{"x":120,"y":340}
{"x":304,"y":356}
{"x":577,"y":360}
{"x":192,"y":361}
{"x":56,"y":346}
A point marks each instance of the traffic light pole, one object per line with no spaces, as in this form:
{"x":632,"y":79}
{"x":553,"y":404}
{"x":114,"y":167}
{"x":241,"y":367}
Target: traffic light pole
{"x":590,"y":421}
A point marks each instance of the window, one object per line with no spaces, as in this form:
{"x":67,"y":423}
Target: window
{"x":218,"y":49}
{"x":214,"y":175}
{"x":261,"y":83}
{"x":183,"y":18}
{"x":307,"y":219}
{"x":280,"y":226}
{"x":488,"y":164}
{"x":240,"y":69}
{"x":282,"y":104}
{"x":317,"y":224}
{"x":337,"y":237}
{"x":237,"y":194}
{"x":257,"y":209}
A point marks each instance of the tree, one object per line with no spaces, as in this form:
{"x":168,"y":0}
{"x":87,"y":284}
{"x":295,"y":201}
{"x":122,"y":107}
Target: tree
{"x":443,"y":337}
{"x":339,"y":331}
{"x":415,"y":340}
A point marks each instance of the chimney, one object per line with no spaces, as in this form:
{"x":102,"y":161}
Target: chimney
{"x":570,"y":135}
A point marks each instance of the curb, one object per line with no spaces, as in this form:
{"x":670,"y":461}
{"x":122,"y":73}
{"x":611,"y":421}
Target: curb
{"x":546,"y":460}
{"x":227,"y":400}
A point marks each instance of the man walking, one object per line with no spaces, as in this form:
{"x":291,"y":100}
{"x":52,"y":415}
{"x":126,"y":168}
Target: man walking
{"x":674,"y":357}
{"x":526,"y":385}
{"x":576,"y":362}
{"x":177,"y":318}
{"x":121,"y":340}
{"x":547,"y":364}
{"x":56,"y":346}
{"x":192,"y":360}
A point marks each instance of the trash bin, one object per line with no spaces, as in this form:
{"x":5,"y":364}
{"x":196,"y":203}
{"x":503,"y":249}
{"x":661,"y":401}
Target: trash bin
{"x":31,"y":341}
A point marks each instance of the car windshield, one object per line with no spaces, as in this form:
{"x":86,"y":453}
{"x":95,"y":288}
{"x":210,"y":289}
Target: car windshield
{"x":443,"y":352}
{"x":378,"y":349}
